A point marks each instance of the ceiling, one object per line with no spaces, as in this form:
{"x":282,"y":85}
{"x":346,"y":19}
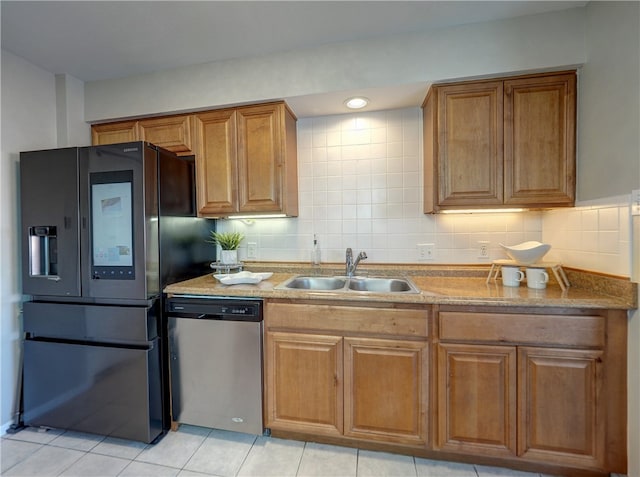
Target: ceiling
{"x":97,"y":40}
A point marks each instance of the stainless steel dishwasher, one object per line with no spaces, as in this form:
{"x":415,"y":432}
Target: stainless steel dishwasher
{"x":215,"y":349}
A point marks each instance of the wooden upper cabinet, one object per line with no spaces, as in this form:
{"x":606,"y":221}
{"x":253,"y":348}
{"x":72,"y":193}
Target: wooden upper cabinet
{"x":216,"y":162}
{"x":246,"y":157}
{"x":500,"y":143}
{"x":260,"y":158}
{"x":173,"y":133}
{"x":470,"y":144}
{"x":113,"y":133}
{"x":539,"y":134}
{"x":247,"y":161}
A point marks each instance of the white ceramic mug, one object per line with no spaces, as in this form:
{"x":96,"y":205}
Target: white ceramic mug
{"x":512,"y":276}
{"x":537,"y":278}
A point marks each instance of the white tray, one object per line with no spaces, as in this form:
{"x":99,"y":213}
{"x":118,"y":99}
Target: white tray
{"x":242,"y":277}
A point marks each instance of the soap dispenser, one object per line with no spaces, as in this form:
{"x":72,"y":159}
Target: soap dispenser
{"x":315,"y":253}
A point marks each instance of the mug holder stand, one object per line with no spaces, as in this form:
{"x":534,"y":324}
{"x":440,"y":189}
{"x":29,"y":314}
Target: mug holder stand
{"x":556,"y":269}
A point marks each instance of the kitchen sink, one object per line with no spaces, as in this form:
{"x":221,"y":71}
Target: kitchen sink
{"x":317,"y":283}
{"x":350,"y":285}
{"x":381,"y":285}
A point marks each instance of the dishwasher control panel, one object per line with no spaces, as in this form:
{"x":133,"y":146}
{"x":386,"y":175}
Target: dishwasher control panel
{"x":215,"y":308}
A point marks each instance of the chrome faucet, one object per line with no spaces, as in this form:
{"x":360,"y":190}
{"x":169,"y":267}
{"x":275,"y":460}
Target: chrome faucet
{"x":351,"y":264}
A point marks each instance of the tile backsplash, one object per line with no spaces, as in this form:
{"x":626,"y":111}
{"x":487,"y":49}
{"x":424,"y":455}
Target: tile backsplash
{"x":360,"y":186}
{"x":593,"y":236}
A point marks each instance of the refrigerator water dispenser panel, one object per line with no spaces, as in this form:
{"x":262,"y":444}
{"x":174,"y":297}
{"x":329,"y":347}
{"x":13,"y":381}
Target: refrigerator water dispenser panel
{"x":43,"y":251}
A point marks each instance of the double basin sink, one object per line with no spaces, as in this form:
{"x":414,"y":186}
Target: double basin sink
{"x":350,"y":284}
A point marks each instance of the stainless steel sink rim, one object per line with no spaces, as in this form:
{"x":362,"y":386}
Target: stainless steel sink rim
{"x":356,"y":284}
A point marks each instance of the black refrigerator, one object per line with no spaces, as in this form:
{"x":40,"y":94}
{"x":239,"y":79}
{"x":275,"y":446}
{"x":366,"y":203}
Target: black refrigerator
{"x":104,"y":229}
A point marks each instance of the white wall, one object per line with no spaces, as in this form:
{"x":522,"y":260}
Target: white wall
{"x":596,"y":235}
{"x":538,"y":41}
{"x":72,"y":129}
{"x":28,"y":123}
{"x":608,"y":113}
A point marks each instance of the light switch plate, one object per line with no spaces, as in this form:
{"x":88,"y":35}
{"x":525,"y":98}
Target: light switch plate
{"x":635,"y":202}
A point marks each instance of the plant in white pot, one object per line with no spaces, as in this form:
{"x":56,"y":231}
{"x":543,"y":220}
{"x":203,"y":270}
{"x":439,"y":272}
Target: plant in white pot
{"x":229,"y":243}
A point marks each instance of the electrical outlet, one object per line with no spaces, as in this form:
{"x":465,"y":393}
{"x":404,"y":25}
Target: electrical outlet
{"x":483,"y":249}
{"x":426,"y":251}
{"x":252,"y":250}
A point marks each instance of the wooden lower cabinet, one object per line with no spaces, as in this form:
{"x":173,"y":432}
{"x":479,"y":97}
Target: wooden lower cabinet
{"x":385,"y":390}
{"x":322,"y":380}
{"x":535,"y":386}
{"x":537,"y":389}
{"x":560,"y":407}
{"x":547,"y":407}
{"x":477,"y":399}
{"x":304,"y":379}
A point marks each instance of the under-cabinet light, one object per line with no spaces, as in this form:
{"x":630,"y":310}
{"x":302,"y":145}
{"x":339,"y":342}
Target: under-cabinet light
{"x":481,"y":211}
{"x":266,"y":216}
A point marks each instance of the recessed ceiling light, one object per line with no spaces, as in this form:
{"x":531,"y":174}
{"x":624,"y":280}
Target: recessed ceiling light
{"x":357,"y":102}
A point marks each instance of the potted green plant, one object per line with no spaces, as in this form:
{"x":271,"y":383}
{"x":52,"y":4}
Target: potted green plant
{"x":229,"y":243}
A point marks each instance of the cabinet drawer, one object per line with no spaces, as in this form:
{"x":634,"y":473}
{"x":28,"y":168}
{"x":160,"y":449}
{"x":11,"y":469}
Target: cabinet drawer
{"x":567,"y":330}
{"x":347,"y":319}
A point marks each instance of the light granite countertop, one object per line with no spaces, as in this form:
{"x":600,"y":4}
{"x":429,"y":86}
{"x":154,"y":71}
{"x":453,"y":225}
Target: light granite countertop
{"x":446,"y":285}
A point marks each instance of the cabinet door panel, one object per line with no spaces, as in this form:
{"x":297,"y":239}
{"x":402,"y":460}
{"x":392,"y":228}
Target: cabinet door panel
{"x":172,"y":133}
{"x":386,"y":390}
{"x":304,"y":383}
{"x":560,"y":413}
{"x":477,"y":399}
{"x":539,"y":139}
{"x":216,"y":172}
{"x":260,"y":158}
{"x":114,"y":133}
{"x":470,"y":144}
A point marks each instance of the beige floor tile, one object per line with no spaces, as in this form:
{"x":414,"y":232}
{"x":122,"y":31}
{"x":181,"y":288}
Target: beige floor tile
{"x":176,"y":448}
{"x":441,"y":468}
{"x":322,"y":460}
{"x":77,"y":440}
{"x":272,"y":457}
{"x":487,"y":471}
{"x":119,"y":448}
{"x":222,"y":453}
{"x":12,"y":452}
{"x":36,"y":434}
{"x":144,"y":469}
{"x":96,"y":465}
{"x":383,"y":464}
{"x":46,"y":461}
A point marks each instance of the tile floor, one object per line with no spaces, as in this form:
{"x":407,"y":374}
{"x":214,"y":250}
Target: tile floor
{"x":197,"y":451}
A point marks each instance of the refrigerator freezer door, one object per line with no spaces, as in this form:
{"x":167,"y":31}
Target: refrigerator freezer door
{"x":50,"y":228}
{"x":112,"y":391}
